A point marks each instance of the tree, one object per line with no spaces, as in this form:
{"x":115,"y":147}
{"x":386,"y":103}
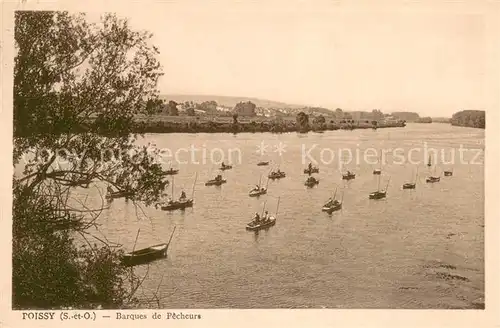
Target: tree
{"x":190,"y":111}
{"x":302,"y":120}
{"x":172,"y":108}
{"x":77,"y":88}
{"x":235,"y":118}
{"x":339,"y":114}
{"x":377,"y":115}
{"x":245,"y":108}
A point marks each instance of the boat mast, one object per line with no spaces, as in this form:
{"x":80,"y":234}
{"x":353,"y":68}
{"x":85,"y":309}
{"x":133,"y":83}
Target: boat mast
{"x":194,"y":184}
{"x":277,"y":207}
{"x":335,"y":193}
{"x":378,"y":185}
{"x":172,"y":187}
{"x":416,"y":175}
{"x":263,"y":208}
{"x":387,"y":186}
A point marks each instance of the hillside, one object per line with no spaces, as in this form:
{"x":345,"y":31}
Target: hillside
{"x":228,"y":101}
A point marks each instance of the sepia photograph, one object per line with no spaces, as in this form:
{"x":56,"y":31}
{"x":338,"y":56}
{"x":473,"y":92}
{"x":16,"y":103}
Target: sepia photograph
{"x":250,"y":156}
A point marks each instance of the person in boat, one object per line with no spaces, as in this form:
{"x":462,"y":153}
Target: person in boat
{"x":223,"y":165}
{"x":256,"y":218}
{"x":310,"y":166}
{"x":218,"y":177}
{"x":183,"y":195}
{"x":266,"y":217}
{"x":349,"y":172}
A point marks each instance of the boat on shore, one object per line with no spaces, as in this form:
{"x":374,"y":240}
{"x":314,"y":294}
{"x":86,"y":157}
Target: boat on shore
{"x":379,"y":194}
{"x":311,"y":182}
{"x":146,"y":255}
{"x":261,"y":222}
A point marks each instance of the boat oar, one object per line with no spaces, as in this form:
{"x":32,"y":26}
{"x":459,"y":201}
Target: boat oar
{"x":135,"y":242}
{"x":263,"y":208}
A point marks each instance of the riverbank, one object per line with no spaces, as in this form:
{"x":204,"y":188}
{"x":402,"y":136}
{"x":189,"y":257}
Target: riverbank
{"x":187,"y":124}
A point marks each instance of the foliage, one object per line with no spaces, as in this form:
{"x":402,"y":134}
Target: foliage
{"x":424,"y":120}
{"x":208,"y":106}
{"x":70,"y":76}
{"x":470,"y":118}
{"x":302,"y":120}
{"x":245,"y":108}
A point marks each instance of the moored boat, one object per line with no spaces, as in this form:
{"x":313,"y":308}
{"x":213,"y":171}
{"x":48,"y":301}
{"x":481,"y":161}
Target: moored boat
{"x":262,"y":163}
{"x":377,"y":171}
{"x":146,"y":255}
{"x":448,"y":173}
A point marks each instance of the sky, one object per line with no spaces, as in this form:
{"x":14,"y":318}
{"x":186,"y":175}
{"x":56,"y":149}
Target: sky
{"x":432,"y":57}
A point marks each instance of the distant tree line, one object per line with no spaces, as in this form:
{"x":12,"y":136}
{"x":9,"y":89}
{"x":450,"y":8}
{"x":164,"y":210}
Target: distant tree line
{"x":469,"y":118}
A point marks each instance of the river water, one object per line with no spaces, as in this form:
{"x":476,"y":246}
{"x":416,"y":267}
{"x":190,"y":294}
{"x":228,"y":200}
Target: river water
{"x":415,"y":249}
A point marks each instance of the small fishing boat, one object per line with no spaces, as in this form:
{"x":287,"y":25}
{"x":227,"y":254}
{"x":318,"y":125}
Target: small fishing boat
{"x":311,"y":182}
{"x":224,"y":167}
{"x":257,"y":192}
{"x":261,"y":222}
{"x":217,"y":181}
{"x":171,"y":171}
{"x":311,"y":169}
{"x":411,"y":185}
{"x":112,"y":194}
{"x":146,"y":255}
{"x":258,"y":189}
{"x":182,"y":203}
{"x":433,"y":179}
{"x":379,"y":170}
{"x":333,"y":204}
{"x":262,"y":163}
{"x":276,"y":175}
{"x":448,"y":173}
{"x":379,"y":194}
{"x":348,"y":176}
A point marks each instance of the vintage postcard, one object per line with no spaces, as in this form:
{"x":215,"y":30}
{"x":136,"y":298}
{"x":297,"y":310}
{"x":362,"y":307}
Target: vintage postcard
{"x":222,"y":163}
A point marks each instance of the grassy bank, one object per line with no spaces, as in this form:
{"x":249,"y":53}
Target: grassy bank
{"x":189,"y":124}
